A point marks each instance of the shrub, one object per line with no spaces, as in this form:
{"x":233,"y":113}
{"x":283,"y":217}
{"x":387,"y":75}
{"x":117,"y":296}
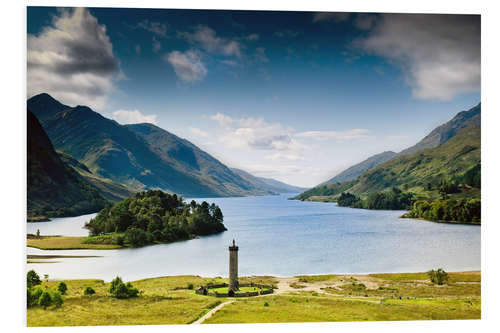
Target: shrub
{"x":57,"y":299}
{"x":33,"y":296}
{"x":438,"y":276}
{"x":266,"y":304}
{"x":32,"y":279}
{"x":89,"y":291}
{"x":62,"y":288}
{"x":121,"y":290}
{"x":190,"y":286}
{"x":45,"y":300}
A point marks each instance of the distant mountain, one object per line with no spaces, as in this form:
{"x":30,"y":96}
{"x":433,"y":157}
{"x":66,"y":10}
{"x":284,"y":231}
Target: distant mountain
{"x":356,"y":170}
{"x":445,"y":162}
{"x":108,"y":188}
{"x":443,"y":133}
{"x":439,"y":135}
{"x":55,"y":189}
{"x":139,"y":156}
{"x":269,"y":184}
{"x":184,"y":156}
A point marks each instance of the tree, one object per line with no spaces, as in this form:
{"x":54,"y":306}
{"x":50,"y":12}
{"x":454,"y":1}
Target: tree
{"x":89,"y":291}
{"x":438,"y":276}
{"x":62,"y":287}
{"x":57,"y":299}
{"x":121,"y":290}
{"x":45,"y":300}
{"x":33,"y":296}
{"x":32,"y":279}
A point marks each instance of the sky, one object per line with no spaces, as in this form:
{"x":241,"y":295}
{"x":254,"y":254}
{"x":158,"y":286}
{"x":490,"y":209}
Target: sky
{"x":295,"y":96}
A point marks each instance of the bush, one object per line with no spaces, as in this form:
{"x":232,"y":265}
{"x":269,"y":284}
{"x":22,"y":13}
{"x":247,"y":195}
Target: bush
{"x":438,"y":276}
{"x":62,"y":288}
{"x":190,"y":286}
{"x":33,"y":296}
{"x":121,"y":290}
{"x":45,"y":300}
{"x":89,"y":291}
{"x":57,"y":299}
{"x":266,"y":304}
{"x":32,"y":279}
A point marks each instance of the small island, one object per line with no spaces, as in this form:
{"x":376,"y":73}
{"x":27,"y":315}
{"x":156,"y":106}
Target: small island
{"x":148,"y":217}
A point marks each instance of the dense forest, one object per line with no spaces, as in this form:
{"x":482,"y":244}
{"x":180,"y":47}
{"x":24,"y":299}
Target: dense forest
{"x":464,"y":210}
{"x":154,"y":216}
{"x":395,"y":199}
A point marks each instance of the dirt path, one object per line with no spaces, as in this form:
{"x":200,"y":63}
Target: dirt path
{"x":211,"y":312}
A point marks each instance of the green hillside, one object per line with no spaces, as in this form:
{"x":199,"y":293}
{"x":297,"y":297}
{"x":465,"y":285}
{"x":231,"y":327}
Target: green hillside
{"x":141,"y":156}
{"x":269,"y":184}
{"x":55,"y":189}
{"x":416,"y":171}
{"x":111,"y":190}
{"x":437,"y":136}
{"x":421,"y":173}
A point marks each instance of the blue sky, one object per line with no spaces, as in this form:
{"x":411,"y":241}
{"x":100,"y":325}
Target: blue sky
{"x":296,"y":96}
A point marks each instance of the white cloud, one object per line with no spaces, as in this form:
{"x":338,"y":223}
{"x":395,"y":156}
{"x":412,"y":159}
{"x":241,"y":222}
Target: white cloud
{"x":440,"y":54}
{"x":207,"y":39}
{"x":356,"y":133}
{"x":283,"y":157}
{"x":256,"y":133}
{"x":72,"y":60}
{"x":198,"y":132}
{"x":253,"y":37}
{"x":187,"y":66}
{"x":157,"y":28}
{"x":222,"y":119}
{"x":260,"y":54}
{"x":133,"y":117}
{"x":156,"y":45}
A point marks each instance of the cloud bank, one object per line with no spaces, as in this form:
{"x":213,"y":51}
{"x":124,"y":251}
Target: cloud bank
{"x":133,"y":117}
{"x":440,"y":54}
{"x":187,"y":65}
{"x":72,"y":60}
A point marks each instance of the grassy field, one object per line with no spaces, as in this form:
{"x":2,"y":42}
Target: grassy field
{"x":66,"y":243}
{"x":172,"y":300}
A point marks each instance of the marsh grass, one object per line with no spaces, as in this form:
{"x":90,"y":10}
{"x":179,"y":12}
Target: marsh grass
{"x":66,"y":243}
{"x":161,"y":301}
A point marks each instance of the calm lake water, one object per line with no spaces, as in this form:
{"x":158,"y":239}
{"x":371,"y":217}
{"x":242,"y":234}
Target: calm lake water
{"x":279,"y":237}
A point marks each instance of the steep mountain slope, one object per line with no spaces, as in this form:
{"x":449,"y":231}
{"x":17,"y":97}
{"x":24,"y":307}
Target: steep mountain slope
{"x":269,"y":184}
{"x":356,"y":170}
{"x":414,"y":172}
{"x":184,"y":156}
{"x":53,"y":188}
{"x":439,"y":135}
{"x":445,"y":162}
{"x":139,"y":156}
{"x":111,"y":190}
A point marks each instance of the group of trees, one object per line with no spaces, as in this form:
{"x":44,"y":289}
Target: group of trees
{"x":156,"y":216}
{"x":438,"y":276}
{"x":464,"y":210}
{"x":121,"y":290}
{"x":47,"y":297}
{"x":38,"y":296}
{"x":395,"y":199}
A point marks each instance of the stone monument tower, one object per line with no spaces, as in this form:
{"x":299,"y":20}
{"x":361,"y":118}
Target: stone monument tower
{"x":233,"y":268}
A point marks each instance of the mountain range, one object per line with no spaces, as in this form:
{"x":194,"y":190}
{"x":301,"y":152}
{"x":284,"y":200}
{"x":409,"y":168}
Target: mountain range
{"x":436,"y":137}
{"x":54,"y":189}
{"x":445,"y":154}
{"x":119,"y":159}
